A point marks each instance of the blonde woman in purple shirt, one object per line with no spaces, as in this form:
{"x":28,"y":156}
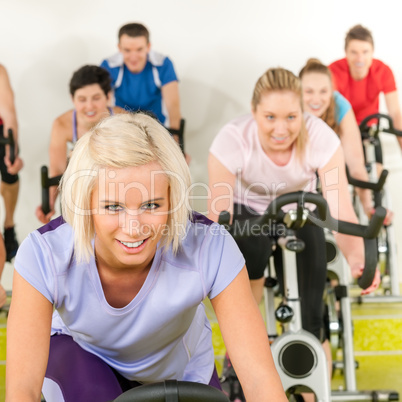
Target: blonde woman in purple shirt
{"x":109,"y":296}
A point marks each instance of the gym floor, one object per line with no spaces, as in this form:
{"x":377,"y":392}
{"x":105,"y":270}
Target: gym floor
{"x":377,"y":344}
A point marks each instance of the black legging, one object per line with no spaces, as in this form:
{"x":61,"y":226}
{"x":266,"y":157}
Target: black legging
{"x":311,"y":264}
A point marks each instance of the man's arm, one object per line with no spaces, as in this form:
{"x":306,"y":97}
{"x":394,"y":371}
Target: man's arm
{"x":9,"y":117}
{"x":394,"y":111}
{"x":7,"y":107}
{"x":170,"y":95}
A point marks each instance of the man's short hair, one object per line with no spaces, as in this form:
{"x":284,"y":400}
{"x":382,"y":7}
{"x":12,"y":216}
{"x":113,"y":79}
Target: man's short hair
{"x":134,"y":30}
{"x":88,"y":75}
{"x":359,"y":32}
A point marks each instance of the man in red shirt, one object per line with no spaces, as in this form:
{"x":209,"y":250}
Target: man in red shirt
{"x":360,"y":78}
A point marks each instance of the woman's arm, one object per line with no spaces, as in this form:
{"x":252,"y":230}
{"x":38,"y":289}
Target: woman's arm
{"x":28,"y":338}
{"x":221,"y":187}
{"x":335,"y":191}
{"x":246,"y":340}
{"x":353,"y":150}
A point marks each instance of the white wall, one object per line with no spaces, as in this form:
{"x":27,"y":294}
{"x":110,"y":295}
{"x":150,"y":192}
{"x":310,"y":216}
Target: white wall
{"x":219,"y":47}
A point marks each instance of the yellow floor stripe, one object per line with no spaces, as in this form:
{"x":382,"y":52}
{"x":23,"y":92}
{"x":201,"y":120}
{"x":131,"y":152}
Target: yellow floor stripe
{"x":378,"y":334}
{"x":3,"y":344}
{"x":378,"y":353}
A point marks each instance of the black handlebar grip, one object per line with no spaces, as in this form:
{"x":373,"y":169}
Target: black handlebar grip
{"x":181,"y":136}
{"x":391,"y":129}
{"x":45,"y":189}
{"x":376,"y":223}
{"x":370,"y":265}
{"x":363,"y":124}
{"x":12,"y":145}
{"x":224,"y":218}
{"x":180,"y":133}
{"x":376,"y":187}
{"x":368,"y":232}
{"x":172,"y":390}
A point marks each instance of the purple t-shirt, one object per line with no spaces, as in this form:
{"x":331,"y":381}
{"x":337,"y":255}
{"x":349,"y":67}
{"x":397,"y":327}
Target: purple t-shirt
{"x":259,"y":179}
{"x":163,"y":333}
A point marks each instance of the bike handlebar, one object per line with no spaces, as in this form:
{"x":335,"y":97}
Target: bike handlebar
{"x":9,"y":141}
{"x":376,"y":187}
{"x":180,"y":133}
{"x":275,"y":214}
{"x":47,"y":182}
{"x":390,"y":130}
{"x":173,"y":391}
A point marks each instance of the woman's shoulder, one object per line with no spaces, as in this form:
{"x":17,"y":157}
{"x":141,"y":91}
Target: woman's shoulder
{"x":117,"y":110}
{"x":323,"y":141}
{"x":200,"y":236}
{"x":200,"y":229}
{"x":342,"y":106}
{"x":237,"y":130}
{"x":313,"y":123}
{"x":241,"y":122}
{"x":64,"y":122}
{"x":45,"y":256}
{"x":56,"y":234}
{"x":50,"y":245}
{"x":317,"y":128}
{"x":338,"y":97}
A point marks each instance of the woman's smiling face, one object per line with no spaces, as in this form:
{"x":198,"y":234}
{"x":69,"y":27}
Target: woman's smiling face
{"x":279,"y":119}
{"x":317,"y":93}
{"x":130,"y":209}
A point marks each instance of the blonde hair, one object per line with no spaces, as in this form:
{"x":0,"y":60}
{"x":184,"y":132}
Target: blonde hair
{"x":121,"y":141}
{"x":279,"y":79}
{"x":315,"y":66}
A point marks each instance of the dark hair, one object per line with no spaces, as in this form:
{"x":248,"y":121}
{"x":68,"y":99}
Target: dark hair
{"x":88,"y":75}
{"x":134,"y":30}
{"x":359,"y":32}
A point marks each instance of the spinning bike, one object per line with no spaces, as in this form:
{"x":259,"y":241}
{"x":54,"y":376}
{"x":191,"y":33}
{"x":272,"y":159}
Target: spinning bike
{"x":370,"y":129}
{"x":341,"y":330}
{"x":298,"y":355}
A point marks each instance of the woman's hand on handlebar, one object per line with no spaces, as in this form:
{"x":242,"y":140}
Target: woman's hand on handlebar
{"x":388,"y":217}
{"x":41,"y":215}
{"x":357,"y":271}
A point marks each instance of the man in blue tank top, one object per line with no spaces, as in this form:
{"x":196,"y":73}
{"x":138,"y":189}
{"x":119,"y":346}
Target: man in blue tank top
{"x":142,"y":78}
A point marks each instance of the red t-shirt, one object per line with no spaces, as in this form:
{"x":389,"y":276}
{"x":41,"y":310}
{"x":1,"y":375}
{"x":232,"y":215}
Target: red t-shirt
{"x":363,"y":94}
